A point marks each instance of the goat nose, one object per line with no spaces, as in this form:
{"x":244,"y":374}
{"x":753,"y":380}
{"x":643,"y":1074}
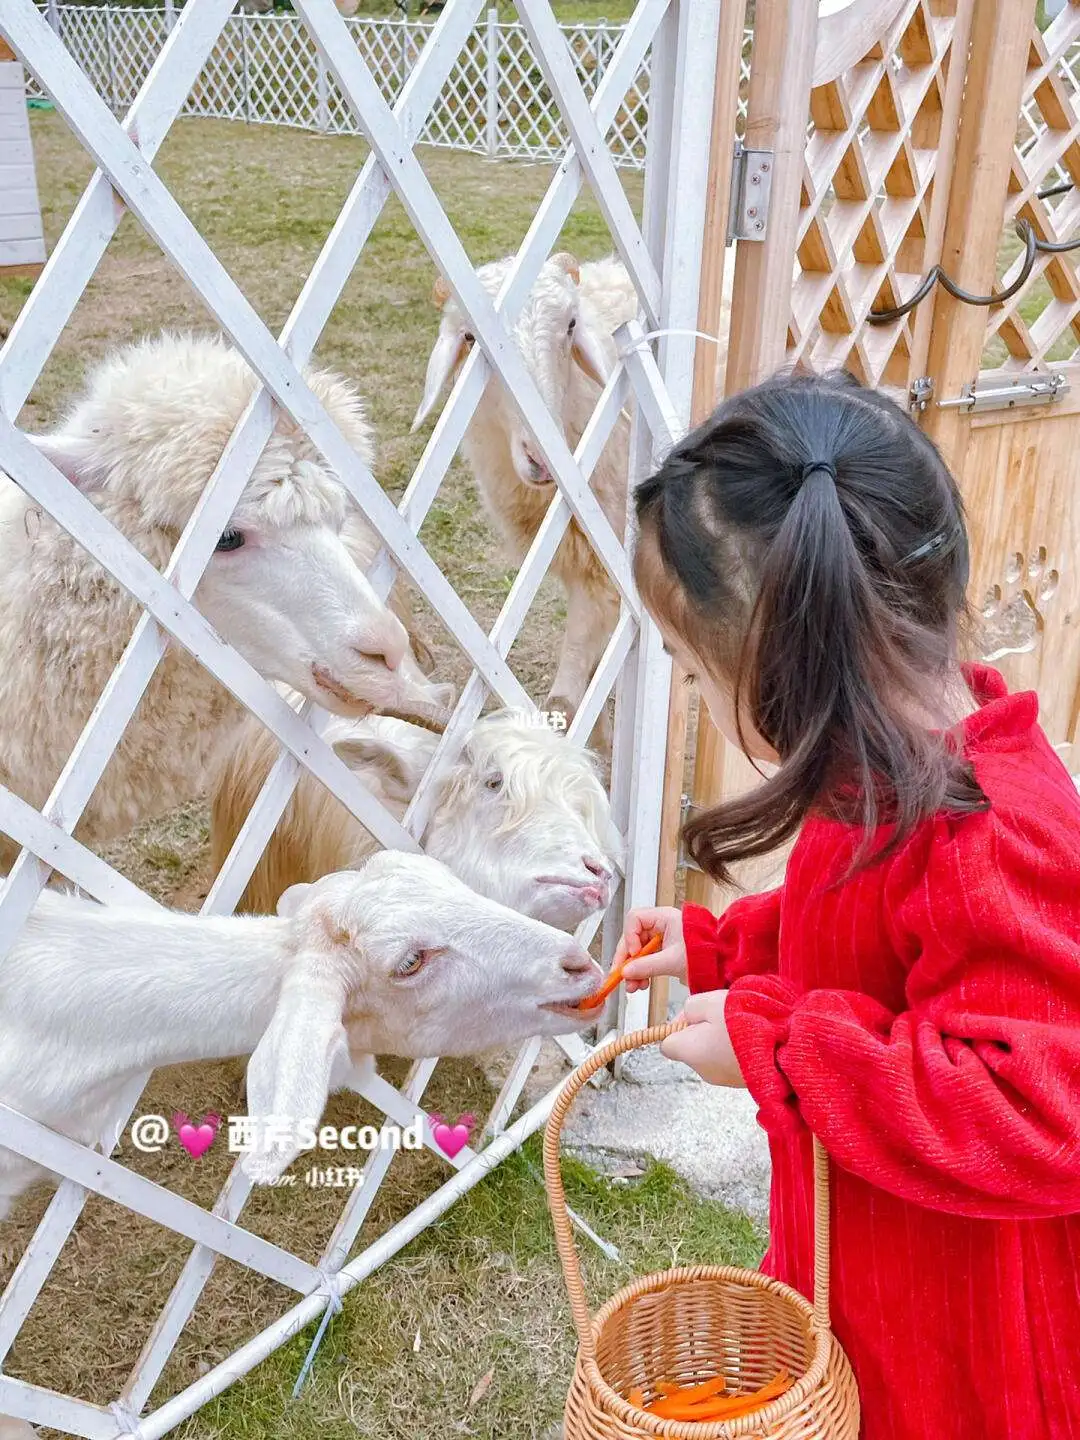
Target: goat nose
{"x":596,"y":867}
{"x":576,"y":962}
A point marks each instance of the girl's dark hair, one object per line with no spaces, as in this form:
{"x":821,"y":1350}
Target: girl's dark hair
{"x":808,"y":541}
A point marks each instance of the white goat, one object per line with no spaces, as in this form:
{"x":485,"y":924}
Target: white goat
{"x":284,"y":587}
{"x":564,"y":335}
{"x":521,"y":817}
{"x":398,"y":958}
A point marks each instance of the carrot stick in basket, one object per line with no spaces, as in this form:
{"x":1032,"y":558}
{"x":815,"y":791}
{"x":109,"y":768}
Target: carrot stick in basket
{"x":615,"y":975}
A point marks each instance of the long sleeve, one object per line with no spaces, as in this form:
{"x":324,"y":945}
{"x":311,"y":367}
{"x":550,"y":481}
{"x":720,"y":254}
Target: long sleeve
{"x":744,"y":940}
{"x":968,"y":1099}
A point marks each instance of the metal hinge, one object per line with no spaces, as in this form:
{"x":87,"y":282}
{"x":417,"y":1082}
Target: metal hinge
{"x":920,"y":394}
{"x":1039,"y":390}
{"x":686,"y":805}
{"x":751,"y":186}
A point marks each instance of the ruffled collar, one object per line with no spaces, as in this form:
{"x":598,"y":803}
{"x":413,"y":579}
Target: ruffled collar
{"x":1003,"y":720}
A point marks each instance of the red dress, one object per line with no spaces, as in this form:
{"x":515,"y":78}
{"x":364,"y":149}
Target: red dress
{"x":923,"y":1020}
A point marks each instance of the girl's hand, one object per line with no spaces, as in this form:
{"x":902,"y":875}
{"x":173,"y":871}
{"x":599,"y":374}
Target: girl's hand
{"x":670,"y":959}
{"x":705,"y":1044}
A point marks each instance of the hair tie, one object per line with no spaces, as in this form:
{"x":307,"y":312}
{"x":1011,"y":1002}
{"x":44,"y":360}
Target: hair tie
{"x":812,"y":466}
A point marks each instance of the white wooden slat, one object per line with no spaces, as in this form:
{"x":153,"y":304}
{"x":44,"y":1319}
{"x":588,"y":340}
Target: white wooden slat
{"x":421,"y":204}
{"x":27,"y":826}
{"x":650,"y":390}
{"x":23,"y":252}
{"x":358,"y":1205}
{"x":553,"y":56}
{"x":116,"y":1182}
{"x":603,"y":680}
{"x":379,"y":1092}
{"x":76,"y":256}
{"x":48,"y":1407}
{"x":170,"y":227}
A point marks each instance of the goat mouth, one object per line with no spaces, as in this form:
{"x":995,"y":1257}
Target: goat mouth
{"x":571,"y":1009}
{"x":590,"y":891}
{"x":328,"y":682}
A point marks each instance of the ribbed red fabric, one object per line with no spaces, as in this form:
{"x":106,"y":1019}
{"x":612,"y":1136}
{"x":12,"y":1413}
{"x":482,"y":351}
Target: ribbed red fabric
{"x":923,"y":1020}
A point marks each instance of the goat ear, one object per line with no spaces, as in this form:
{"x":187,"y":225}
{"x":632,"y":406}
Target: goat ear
{"x":565,"y":261}
{"x":69,"y":454}
{"x":397,"y":777}
{"x":440,"y":292}
{"x":447,"y":355}
{"x":589,"y":355}
{"x":291,"y":899}
{"x":288,"y":1075}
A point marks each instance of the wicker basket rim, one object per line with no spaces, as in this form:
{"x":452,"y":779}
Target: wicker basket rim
{"x":776,"y":1410}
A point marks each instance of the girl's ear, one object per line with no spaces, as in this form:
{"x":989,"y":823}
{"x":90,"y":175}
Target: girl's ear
{"x":449,"y":352}
{"x":288,"y":1075}
{"x":68,"y":454}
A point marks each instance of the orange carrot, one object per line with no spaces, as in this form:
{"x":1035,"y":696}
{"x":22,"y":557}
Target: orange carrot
{"x":701,"y":1403}
{"x":637,"y":1397}
{"x":615,"y":975}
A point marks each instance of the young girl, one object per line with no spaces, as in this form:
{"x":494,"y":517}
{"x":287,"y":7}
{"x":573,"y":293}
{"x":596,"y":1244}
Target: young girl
{"x":911,"y":993}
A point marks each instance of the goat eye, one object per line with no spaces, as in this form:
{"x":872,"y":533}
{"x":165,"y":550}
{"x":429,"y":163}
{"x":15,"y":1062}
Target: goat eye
{"x":230,"y":540}
{"x":413,"y":963}
{"x":468,"y":338}
{"x":494,"y":781}
{"x":571,"y":327}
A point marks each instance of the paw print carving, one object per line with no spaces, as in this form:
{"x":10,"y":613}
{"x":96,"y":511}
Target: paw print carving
{"x":1012,"y":612}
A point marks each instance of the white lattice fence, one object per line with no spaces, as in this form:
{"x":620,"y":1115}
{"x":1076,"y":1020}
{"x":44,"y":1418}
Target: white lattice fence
{"x":264,"y":68}
{"x":662,"y":254}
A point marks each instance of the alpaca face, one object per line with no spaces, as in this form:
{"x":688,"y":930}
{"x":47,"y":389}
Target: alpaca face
{"x":432,"y":968}
{"x":552,"y":336}
{"x":142,"y":443}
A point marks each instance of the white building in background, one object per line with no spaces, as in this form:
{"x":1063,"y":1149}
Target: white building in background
{"x":22,"y":240}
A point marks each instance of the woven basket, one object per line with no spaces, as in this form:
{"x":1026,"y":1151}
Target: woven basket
{"x":690,"y":1324}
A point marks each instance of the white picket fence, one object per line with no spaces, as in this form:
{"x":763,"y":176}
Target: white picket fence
{"x":265,"y":69}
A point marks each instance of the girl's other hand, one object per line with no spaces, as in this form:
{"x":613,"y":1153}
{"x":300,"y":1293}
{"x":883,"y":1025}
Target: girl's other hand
{"x":705,"y":1044}
{"x":670,"y":959}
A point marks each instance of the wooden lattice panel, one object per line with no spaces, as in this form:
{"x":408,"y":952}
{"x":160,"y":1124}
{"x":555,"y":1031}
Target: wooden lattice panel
{"x":1041,"y":324}
{"x":871,"y":158}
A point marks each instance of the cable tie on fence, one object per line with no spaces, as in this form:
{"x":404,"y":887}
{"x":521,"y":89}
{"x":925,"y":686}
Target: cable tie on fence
{"x":641,"y":342}
{"x":125,"y":1417}
{"x":330,"y":1281}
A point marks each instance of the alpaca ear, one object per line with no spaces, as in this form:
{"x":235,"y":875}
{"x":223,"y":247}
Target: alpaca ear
{"x":288,"y":1075}
{"x":399,"y":772}
{"x":449,"y":352}
{"x":588,"y":354}
{"x":69,"y":454}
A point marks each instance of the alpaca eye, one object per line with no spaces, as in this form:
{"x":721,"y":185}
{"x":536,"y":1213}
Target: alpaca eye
{"x":494,"y":781}
{"x":230,"y":540}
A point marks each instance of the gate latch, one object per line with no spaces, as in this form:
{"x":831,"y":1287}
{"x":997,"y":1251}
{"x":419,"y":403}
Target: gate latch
{"x":751,"y":186}
{"x":1037,"y":390}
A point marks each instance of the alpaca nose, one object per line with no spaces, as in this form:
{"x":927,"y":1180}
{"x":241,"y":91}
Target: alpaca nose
{"x":596,"y":867}
{"x":576,"y":962}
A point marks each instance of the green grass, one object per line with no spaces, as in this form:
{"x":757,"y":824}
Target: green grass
{"x":479,"y":1294}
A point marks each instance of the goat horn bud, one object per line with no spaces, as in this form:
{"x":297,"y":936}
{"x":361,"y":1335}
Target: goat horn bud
{"x":569,"y":263}
{"x":440,"y":292}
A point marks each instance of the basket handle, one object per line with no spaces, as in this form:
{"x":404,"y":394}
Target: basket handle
{"x":564,"y":1234}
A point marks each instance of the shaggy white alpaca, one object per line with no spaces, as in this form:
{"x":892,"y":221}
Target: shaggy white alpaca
{"x":521,"y":816}
{"x":564,"y":335}
{"x":397,"y":958}
{"x":284,"y":587}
